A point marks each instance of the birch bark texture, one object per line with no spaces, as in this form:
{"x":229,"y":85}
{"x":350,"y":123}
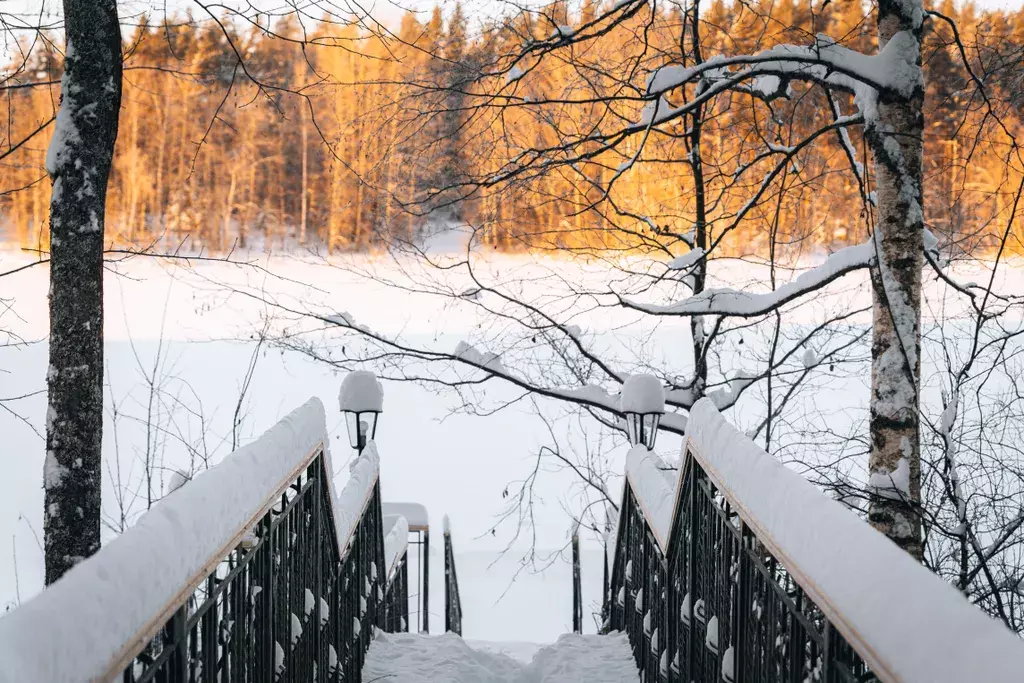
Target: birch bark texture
{"x":895,"y":139}
{"x":79,"y":161}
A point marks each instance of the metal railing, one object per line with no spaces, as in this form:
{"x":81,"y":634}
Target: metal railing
{"x":396,"y":598}
{"x":418,"y":561}
{"x":290,"y":590}
{"x":285,"y":604}
{"x":737,"y":569}
{"x":577,"y":587}
{"x":452,"y":601}
{"x":720,"y":607}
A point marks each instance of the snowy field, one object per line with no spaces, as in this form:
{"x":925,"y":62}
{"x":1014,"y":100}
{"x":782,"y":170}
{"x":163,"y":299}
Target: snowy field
{"x":195,"y":326}
{"x":453,"y":464}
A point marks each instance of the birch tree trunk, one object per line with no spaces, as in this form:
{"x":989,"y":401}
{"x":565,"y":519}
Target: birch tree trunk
{"x":896,"y":145}
{"x":79,"y":161}
{"x":305,"y":191}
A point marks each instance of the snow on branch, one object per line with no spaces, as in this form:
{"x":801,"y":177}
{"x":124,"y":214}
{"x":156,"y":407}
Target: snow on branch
{"x":483,"y":359}
{"x":725,"y":301}
{"x":893,"y":69}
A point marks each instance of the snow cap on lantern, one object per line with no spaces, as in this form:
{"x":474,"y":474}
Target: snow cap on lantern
{"x":361,"y":399}
{"x":642,"y":402}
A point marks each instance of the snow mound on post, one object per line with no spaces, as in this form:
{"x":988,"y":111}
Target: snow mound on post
{"x":79,"y":627}
{"x":905,"y":622}
{"x":361,"y":392}
{"x":642,"y":394}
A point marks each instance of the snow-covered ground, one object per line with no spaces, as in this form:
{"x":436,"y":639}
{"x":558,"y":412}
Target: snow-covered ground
{"x":199,"y":322}
{"x":453,"y":464}
{"x":410,"y":658}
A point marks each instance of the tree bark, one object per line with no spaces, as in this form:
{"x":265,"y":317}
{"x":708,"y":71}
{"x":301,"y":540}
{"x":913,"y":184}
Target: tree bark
{"x":79,"y":161}
{"x":896,"y":145}
{"x":305,"y":190}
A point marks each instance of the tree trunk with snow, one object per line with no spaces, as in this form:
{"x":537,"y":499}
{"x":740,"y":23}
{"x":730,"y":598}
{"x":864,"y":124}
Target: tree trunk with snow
{"x":896,"y":144}
{"x":79,"y":161}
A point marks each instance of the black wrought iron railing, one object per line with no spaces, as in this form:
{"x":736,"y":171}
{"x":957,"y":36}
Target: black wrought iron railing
{"x":577,"y":587}
{"x":452,"y":601}
{"x":717,"y":606}
{"x":285,"y":604}
{"x":396,"y":596}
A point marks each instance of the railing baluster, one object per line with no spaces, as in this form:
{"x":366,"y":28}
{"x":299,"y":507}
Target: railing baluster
{"x":453,"y":601}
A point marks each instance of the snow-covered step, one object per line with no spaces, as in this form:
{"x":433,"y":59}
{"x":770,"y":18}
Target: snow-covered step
{"x":584,"y":659}
{"x":412,"y":658}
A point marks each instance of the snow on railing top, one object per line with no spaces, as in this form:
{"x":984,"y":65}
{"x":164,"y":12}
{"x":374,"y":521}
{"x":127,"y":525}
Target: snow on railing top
{"x":904,"y":621}
{"x":396,"y":541}
{"x":654,"y":487}
{"x":355,"y":494}
{"x":414,"y":513}
{"x":107,"y":607}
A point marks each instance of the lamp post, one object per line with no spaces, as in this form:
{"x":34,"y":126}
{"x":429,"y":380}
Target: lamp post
{"x":361,"y":400}
{"x":642,"y":402}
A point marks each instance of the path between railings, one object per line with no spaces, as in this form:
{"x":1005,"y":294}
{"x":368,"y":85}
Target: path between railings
{"x":412,"y":658}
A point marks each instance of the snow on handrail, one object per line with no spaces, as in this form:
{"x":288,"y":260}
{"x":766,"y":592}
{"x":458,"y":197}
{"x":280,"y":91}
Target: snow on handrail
{"x":396,"y":542}
{"x":90,"y":623}
{"x":903,"y":620}
{"x":654,"y":488}
{"x":355,"y":495}
{"x":415,"y":514}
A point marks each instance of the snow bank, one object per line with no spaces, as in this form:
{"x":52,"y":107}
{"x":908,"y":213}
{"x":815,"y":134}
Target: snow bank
{"x":906,"y":622}
{"x":396,"y":541}
{"x":413,"y":658}
{"x":575,"y":658}
{"x":98,"y":613}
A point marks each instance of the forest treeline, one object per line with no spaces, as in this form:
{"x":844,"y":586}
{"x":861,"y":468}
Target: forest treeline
{"x":276,"y":136}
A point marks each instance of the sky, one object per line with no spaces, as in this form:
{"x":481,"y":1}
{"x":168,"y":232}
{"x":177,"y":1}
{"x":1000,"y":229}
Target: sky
{"x":29,"y":12}
{"x":383,"y":10}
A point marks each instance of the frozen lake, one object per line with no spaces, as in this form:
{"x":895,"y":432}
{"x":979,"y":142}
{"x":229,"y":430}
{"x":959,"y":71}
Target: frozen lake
{"x":196,"y":325}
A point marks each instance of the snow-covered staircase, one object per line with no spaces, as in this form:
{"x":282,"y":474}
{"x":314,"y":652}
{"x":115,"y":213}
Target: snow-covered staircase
{"x":728,"y":568}
{"x":413,"y":658}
